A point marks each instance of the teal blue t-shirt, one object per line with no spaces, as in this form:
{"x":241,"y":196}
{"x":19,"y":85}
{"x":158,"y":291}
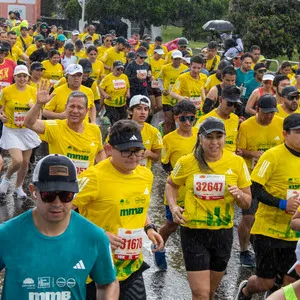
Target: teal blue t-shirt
{"x":43,"y":267}
{"x":242,"y":78}
{"x":249,"y":87}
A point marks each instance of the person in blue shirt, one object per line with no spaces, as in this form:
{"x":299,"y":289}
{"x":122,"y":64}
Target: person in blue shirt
{"x":49,"y":252}
{"x":244,"y":73}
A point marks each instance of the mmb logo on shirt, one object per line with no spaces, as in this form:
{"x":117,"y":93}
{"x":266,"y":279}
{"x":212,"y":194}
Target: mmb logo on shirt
{"x":65,"y":295}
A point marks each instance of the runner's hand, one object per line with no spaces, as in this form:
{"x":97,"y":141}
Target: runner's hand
{"x":257,"y":154}
{"x":235,"y":192}
{"x":3,"y":117}
{"x":177,"y":214}
{"x":166,"y":92}
{"x":156,"y":239}
{"x":43,"y":96}
{"x":292,"y":204}
{"x":115,"y":241}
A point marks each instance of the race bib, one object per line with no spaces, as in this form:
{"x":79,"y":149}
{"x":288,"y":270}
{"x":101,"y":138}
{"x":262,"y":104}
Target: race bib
{"x":154,"y":84}
{"x":143,"y":162}
{"x":292,"y":193}
{"x":119,"y":84}
{"x":254,"y":162}
{"x":3,"y":84}
{"x":196,"y":101}
{"x":81,"y":165}
{"x":143,"y":73}
{"x":19,"y":118}
{"x":209,"y":187}
{"x":132,"y":240}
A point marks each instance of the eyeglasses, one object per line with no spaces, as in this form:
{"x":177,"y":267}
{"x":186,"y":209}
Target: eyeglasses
{"x":142,"y":57}
{"x":128,"y":153}
{"x":183,"y":119}
{"x":64,"y":196}
{"x":262,"y":71}
{"x":292,"y":98}
{"x":234,"y":104}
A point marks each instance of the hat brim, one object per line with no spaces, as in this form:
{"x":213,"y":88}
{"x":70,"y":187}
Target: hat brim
{"x":160,"y":52}
{"x":234,"y":100}
{"x":51,"y":186}
{"x":177,"y":56}
{"x":295,"y":127}
{"x":73,"y":73}
{"x":269,"y":110}
{"x":38,"y":69}
{"x":208,"y":131}
{"x":131,"y":144}
{"x":15,"y":74}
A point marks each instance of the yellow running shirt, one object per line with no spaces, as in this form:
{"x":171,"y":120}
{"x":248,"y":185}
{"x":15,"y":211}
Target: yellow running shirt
{"x":27,"y":41}
{"x":187,"y":86}
{"x":169,"y":75}
{"x":31,"y":49}
{"x":116,"y":87}
{"x":152,"y":140}
{"x":52,"y":72}
{"x":231,"y":128}
{"x":209,"y":63}
{"x":16,"y":103}
{"x":15,"y":53}
{"x":208,"y":204}
{"x":211,"y":81}
{"x":156,"y":66}
{"x":150,"y":52}
{"x":278,"y":171}
{"x":101,"y":51}
{"x":58,"y":102}
{"x":176,"y":146}
{"x":110,"y":55}
{"x":98,"y":70}
{"x":282,"y":113}
{"x":115,"y":201}
{"x":81,"y":148}
{"x":255,"y":137}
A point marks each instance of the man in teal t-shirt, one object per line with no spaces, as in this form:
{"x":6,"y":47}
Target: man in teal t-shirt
{"x":48,"y":252}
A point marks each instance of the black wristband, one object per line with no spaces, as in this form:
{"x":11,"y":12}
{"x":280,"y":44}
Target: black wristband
{"x":149,"y":226}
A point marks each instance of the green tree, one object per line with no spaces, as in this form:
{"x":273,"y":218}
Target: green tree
{"x":274,"y":25}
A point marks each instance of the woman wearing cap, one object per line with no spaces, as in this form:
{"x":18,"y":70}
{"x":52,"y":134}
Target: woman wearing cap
{"x":266,"y":88}
{"x":97,"y":65}
{"x":107,"y":44}
{"x":36,"y":73}
{"x":15,"y":101}
{"x":114,"y":88}
{"x":215,"y":179}
{"x":68,"y":56}
{"x":53,"y":68}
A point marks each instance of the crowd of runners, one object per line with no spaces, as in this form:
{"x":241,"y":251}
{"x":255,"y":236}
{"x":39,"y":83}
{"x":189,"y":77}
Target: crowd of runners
{"x":229,"y":140}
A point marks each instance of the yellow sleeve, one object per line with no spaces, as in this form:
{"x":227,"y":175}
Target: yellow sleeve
{"x":50,"y":132}
{"x":242,"y":139}
{"x":177,"y":87}
{"x":178,"y":175}
{"x":104,"y":57}
{"x":88,"y":188}
{"x":244,"y":179}
{"x":165,"y":154}
{"x":2,"y":98}
{"x":157,"y":142}
{"x":95,"y":90}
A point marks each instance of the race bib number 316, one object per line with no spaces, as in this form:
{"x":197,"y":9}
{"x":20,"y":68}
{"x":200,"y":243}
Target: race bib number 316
{"x":209,"y":187}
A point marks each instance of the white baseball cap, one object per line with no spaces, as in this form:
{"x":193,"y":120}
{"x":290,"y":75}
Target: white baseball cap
{"x":73,"y":69}
{"x":268,"y":77}
{"x":159,"y":51}
{"x":140,"y":99}
{"x":75,"y":32}
{"x":21,"y":69}
{"x":176,"y":54}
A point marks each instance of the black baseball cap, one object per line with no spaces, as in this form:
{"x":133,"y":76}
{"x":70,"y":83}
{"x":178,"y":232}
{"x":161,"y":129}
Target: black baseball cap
{"x":121,"y":40}
{"x":49,"y":40}
{"x":231,"y":93}
{"x":267,"y":103}
{"x":211,"y":124}
{"x":55,"y":173}
{"x":291,"y":122}
{"x":118,"y":64}
{"x":289,"y":90}
{"x":69,"y":46}
{"x":132,"y":139}
{"x":141,"y":54}
{"x":36,"y":65}
{"x":131,"y":54}
{"x":86,"y":65}
{"x":259,"y":66}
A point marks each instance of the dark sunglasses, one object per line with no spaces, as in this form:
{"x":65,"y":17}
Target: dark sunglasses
{"x":108,"y":40}
{"x":234,"y":104}
{"x":120,"y":69}
{"x":262,"y":71}
{"x":64,"y":197}
{"x":183,"y":119}
{"x":142,"y":57}
{"x":291,"y":98}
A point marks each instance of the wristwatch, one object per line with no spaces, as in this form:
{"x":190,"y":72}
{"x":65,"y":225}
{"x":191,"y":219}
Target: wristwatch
{"x":149,"y":226}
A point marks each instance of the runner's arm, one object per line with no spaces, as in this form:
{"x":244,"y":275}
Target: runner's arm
{"x":295,"y":223}
{"x":152,"y":154}
{"x":100,"y":156}
{"x":177,"y":96}
{"x":250,"y":103}
{"x":51,"y":115}
{"x":210,"y":100}
{"x":109,"y":291}
{"x":31,"y":120}
{"x":92,"y":114}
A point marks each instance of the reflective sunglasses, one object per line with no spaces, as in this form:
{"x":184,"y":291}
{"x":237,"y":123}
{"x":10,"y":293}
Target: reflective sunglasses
{"x":234,"y":104}
{"x":292,"y":98}
{"x":262,"y":71}
{"x":64,"y":196}
{"x":183,"y":119}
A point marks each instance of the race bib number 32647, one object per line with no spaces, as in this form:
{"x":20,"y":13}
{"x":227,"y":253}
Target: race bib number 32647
{"x":209,"y":186}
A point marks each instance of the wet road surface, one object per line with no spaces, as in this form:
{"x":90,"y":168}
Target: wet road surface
{"x":168,"y":285}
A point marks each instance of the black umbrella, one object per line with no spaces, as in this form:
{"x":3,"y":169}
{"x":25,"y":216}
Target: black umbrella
{"x":218,"y":25}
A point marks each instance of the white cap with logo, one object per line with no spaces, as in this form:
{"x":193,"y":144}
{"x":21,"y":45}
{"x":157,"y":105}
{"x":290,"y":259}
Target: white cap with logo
{"x":73,"y":69}
{"x":21,"y":69}
{"x":176,"y":54}
{"x":140,"y":99}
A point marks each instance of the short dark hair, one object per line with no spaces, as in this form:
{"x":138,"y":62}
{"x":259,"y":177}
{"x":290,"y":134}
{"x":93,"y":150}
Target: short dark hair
{"x":78,"y":94}
{"x":184,"y":106}
{"x":11,"y":33}
{"x":91,"y":48}
{"x":212,"y":45}
{"x":245,"y":55}
{"x":278,"y":78}
{"x":197,"y":59}
{"x":254,"y":47}
{"x":52,"y":53}
{"x":158,"y":39}
{"x":228,"y":70}
{"x":285,"y":64}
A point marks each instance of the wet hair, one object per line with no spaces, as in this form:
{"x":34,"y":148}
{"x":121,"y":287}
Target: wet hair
{"x":119,"y":128}
{"x":77,"y":94}
{"x":197,"y":59}
{"x":278,"y":78}
{"x":91,"y":48}
{"x":229,"y":70}
{"x":52,"y":53}
{"x":245,"y":55}
{"x":254,"y":47}
{"x":223,"y":64}
{"x":212,"y":45}
{"x":184,"y":106}
{"x":199,"y":155}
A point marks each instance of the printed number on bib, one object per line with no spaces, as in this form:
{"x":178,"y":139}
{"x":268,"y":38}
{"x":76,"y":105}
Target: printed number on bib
{"x":80,"y":165}
{"x":292,"y":193}
{"x":3,"y":85}
{"x":143,"y":162}
{"x":19,"y":118}
{"x":154,"y":84}
{"x":143,"y":73}
{"x":196,"y":101}
{"x":209,"y":187}
{"x":119,"y":84}
{"x":132,"y":240}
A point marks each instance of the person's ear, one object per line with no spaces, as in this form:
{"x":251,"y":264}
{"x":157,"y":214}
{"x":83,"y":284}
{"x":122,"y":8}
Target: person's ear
{"x":107,"y":149}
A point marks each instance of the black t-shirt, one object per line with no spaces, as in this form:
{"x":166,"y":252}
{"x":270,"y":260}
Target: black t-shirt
{"x":38,"y":55}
